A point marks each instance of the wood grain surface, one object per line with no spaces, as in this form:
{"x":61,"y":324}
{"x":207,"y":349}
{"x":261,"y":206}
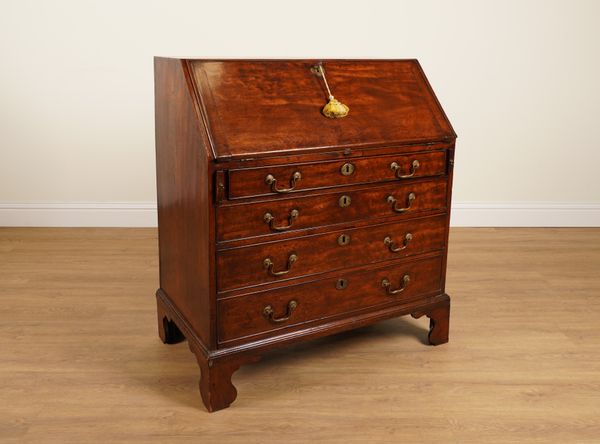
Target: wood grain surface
{"x":250,"y":182}
{"x":81,"y":360}
{"x":242,"y":316}
{"x":243,"y":266}
{"x":265,"y":107}
{"x":241,"y":220}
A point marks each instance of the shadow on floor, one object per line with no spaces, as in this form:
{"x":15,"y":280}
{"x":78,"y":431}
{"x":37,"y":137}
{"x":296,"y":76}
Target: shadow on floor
{"x":175,"y":373}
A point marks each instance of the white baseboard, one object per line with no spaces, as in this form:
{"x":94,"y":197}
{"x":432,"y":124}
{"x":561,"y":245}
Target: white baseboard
{"x":143,"y":214}
{"x":525,"y":214}
{"x":81,"y":214}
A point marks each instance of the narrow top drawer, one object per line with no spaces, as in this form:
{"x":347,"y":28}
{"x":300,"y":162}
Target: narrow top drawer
{"x":285,"y":179}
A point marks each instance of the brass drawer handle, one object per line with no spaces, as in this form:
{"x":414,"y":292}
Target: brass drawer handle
{"x":270,"y":180}
{"x":413,"y":169}
{"x":391,"y":245}
{"x":269,"y":313}
{"x":409,"y":199}
{"x":388,"y":286}
{"x":270,"y":219}
{"x":268,"y":264}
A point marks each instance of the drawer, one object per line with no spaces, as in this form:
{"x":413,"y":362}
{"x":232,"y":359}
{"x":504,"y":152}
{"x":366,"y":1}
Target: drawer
{"x":291,"y":258}
{"x":282,"y":179}
{"x":395,"y":200}
{"x":290,"y":307}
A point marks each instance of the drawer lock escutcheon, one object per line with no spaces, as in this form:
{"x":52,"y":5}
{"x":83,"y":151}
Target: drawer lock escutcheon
{"x":345,"y":201}
{"x":343,"y":239}
{"x":268,"y":264}
{"x":341,"y":284}
{"x":409,"y":201}
{"x":392,"y":245}
{"x":270,"y":219}
{"x":388,"y":286}
{"x":395,"y":167}
{"x":270,"y":180}
{"x":347,"y":169}
{"x":269,"y":312}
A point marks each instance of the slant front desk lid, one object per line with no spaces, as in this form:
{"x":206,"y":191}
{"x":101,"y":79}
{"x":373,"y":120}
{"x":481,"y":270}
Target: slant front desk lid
{"x":258,"y":108}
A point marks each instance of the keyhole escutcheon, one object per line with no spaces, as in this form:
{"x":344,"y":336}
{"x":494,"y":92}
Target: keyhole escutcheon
{"x":341,"y":284}
{"x":343,"y":239}
{"x":347,"y":169}
{"x":345,"y":201}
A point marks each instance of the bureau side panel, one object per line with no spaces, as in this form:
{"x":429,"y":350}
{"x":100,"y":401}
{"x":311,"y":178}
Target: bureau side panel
{"x":185,"y":214}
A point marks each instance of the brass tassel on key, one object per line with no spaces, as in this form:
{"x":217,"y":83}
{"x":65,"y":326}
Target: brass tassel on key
{"x":334,"y":109}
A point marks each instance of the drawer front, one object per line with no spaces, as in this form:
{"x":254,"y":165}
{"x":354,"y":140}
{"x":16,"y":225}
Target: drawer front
{"x":284,"y":179}
{"x":290,"y":307}
{"x":292,"y":258}
{"x":395,"y":200}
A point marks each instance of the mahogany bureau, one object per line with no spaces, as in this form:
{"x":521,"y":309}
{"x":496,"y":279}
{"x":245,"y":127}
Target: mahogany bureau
{"x":285,"y":214}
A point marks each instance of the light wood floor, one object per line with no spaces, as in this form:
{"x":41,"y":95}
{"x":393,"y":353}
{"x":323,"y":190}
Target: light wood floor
{"x":80,"y":360}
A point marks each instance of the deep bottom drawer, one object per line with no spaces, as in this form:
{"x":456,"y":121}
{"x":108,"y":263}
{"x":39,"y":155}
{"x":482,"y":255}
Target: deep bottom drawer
{"x":288,"y":308}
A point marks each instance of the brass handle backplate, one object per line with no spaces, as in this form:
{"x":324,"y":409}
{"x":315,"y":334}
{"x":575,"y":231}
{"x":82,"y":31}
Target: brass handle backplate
{"x":409,"y":201}
{"x":388,"y":286}
{"x":392,"y":246}
{"x":270,"y":180}
{"x":413,"y":169}
{"x":268,"y":264}
{"x":270,"y":219}
{"x":269,"y":312}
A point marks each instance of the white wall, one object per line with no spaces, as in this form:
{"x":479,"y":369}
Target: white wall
{"x":519,"y":80}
